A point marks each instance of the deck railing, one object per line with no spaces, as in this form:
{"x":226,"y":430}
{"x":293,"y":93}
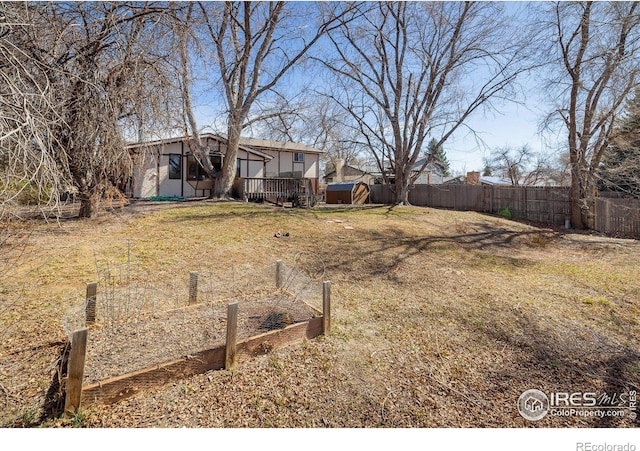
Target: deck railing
{"x":277,"y":190}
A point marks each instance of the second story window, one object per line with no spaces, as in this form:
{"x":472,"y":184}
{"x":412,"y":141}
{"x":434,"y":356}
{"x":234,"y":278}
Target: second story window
{"x":298,"y":157}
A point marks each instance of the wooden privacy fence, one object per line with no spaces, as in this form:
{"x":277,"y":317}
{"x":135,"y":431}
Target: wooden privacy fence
{"x":546,"y":205}
{"x":226,"y":356}
{"x":618,"y":216}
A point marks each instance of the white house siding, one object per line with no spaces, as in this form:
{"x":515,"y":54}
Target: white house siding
{"x":429,"y":178}
{"x":171,"y":187}
{"x":312,"y":166}
{"x":145,"y":177}
{"x":152,"y":177}
{"x":256,"y":168}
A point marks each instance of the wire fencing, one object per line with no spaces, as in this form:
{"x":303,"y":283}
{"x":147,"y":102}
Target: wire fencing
{"x":145,"y":319}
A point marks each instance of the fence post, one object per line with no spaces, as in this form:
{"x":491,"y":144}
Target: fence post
{"x":193,"y":287}
{"x":75,"y":372}
{"x":232,"y":335}
{"x":326,"y":307}
{"x":279,"y":274}
{"x":90,"y":303}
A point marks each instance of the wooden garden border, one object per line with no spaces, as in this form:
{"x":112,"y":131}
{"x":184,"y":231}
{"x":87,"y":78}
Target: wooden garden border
{"x":122,"y":387}
{"x":226,"y":356}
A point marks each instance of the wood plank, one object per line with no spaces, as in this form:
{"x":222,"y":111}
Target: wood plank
{"x":75,"y":372}
{"x":278,"y":339}
{"x":193,"y":287}
{"x":90,"y":303}
{"x":232,"y":336}
{"x":326,"y":307}
{"x":122,"y":387}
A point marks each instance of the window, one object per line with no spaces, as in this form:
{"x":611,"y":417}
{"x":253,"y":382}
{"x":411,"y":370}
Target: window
{"x":194,"y":170}
{"x":175,"y":166}
{"x":216,"y":162}
{"x":298,"y":157}
{"x":197,"y":172}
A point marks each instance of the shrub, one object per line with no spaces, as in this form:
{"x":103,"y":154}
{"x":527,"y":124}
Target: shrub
{"x":505,"y":213}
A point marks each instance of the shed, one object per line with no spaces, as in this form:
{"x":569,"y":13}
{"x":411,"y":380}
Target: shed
{"x":347,"y":193}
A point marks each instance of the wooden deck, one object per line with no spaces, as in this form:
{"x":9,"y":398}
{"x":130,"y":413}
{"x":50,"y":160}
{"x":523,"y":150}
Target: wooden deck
{"x":298,"y":191}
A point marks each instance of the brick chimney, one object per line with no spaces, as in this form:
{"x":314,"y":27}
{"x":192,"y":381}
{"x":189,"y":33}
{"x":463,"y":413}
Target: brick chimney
{"x":339,"y":170}
{"x":473,"y":178}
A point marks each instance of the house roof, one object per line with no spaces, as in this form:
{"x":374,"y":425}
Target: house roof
{"x":343,"y":186}
{"x":279,"y":145}
{"x":454,"y":179}
{"x":431,"y":166}
{"x":333,"y":172}
{"x":487,"y":180}
{"x":247,"y":144}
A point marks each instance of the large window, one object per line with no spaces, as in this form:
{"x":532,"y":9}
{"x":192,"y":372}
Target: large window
{"x":197,"y":172}
{"x":175,"y":166}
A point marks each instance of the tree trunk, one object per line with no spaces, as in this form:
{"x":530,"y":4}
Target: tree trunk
{"x":583,"y":200}
{"x":576,"y":197}
{"x":402,"y":189}
{"x":87,"y":207}
{"x":224,"y":182}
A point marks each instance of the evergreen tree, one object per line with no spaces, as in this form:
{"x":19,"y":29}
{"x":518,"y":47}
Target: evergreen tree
{"x":620,"y":168}
{"x":437,"y":155}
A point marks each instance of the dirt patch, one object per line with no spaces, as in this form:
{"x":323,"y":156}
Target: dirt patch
{"x":122,"y":347}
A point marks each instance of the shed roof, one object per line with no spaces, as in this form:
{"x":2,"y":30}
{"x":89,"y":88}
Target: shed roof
{"x":343,"y":186}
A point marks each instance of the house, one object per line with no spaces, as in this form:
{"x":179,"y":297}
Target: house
{"x":370,"y":174}
{"x":342,"y":172}
{"x":432,"y":174}
{"x":167,"y":168}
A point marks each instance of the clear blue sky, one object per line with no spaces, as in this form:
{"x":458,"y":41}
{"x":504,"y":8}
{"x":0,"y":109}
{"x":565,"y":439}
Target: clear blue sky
{"x":514,"y":126}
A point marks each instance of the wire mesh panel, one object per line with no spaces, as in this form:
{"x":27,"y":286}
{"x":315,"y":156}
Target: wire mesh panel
{"x":145,"y":319}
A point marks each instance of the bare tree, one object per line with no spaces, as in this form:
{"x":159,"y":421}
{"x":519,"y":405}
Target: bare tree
{"x":412,"y":71}
{"x":320,"y":123}
{"x":596,"y":44}
{"x":91,"y":67}
{"x":253,"y":46}
{"x":27,"y":117}
{"x":523,"y":167}
{"x":509,"y":163}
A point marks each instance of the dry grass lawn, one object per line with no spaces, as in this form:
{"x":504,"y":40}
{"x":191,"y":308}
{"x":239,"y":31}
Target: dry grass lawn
{"x":440,"y":318}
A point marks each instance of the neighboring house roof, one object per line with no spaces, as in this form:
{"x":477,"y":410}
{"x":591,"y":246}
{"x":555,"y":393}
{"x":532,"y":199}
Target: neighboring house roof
{"x":488,"y":180}
{"x":349,"y":170}
{"x":458,"y":179}
{"x":432,"y":166}
{"x":252,"y":145}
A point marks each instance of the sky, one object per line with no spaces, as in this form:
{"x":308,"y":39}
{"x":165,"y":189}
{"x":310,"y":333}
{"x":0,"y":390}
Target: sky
{"x":515,"y":125}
